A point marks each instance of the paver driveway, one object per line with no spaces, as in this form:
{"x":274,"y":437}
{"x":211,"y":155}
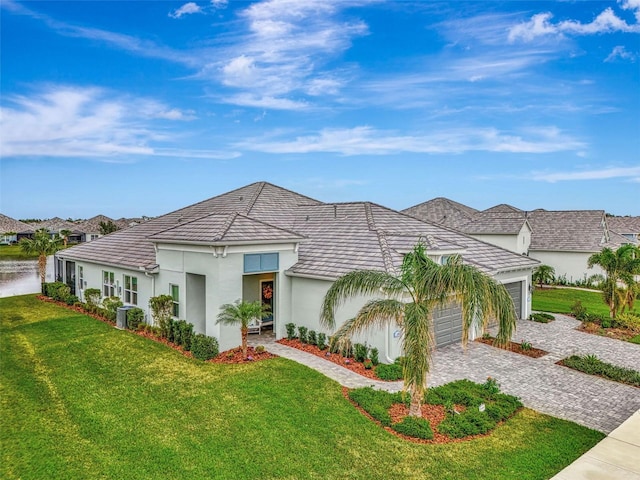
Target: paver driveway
{"x":540,"y":383}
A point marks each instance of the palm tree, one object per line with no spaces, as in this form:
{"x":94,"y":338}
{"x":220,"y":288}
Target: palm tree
{"x":543,"y":274}
{"x":242,"y":313}
{"x":43,"y":245}
{"x":65,"y":236}
{"x":411,"y":298}
{"x":620,"y":267}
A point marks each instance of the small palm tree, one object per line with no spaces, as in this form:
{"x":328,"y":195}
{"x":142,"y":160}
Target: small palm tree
{"x":543,"y":274}
{"x":65,"y":236}
{"x":43,"y":245}
{"x":412,"y":297}
{"x":242,"y":313}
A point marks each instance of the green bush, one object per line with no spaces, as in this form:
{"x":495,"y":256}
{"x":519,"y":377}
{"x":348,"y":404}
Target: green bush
{"x":302,"y":334}
{"x":542,"y":317}
{"x":360,"y":352}
{"x":606,"y":323}
{"x":414,"y":427}
{"x":161,"y":310}
{"x":92,"y":296}
{"x":59,"y":291}
{"x":313,"y":337}
{"x":111,"y":305}
{"x":291,"y":331}
{"x":135,"y":317}
{"x":204,"y":347}
{"x":374,"y":357}
{"x":322,"y":341}
{"x":71,"y":300}
{"x":167,"y":330}
{"x":389,"y":371}
{"x":628,"y":321}
{"x":375,"y":402}
{"x":592,"y":365}
{"x":579,"y":311}
{"x":186,"y":334}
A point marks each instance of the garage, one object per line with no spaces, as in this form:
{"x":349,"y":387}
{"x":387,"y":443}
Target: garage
{"x":448,"y":325}
{"x":515,"y":291}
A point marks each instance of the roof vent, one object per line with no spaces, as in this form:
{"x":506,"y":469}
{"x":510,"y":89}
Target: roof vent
{"x":335,"y":211}
{"x":307,"y":219}
{"x":241,"y":198}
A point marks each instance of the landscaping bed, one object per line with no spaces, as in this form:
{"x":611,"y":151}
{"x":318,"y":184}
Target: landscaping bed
{"x":254,"y":354}
{"x":591,"y":365}
{"x":522,"y":348}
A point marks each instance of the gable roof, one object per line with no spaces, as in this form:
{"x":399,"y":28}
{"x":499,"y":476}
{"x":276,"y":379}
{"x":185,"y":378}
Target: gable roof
{"x":92,"y":225}
{"x":442,"y":211}
{"x":496,"y":223}
{"x":624,"y":225}
{"x":8,"y":224}
{"x":339,"y":237}
{"x":502,"y":208}
{"x":56,"y":224}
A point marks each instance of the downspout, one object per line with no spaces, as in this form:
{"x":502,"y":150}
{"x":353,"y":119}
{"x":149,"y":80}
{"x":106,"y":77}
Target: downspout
{"x":388,"y":346}
{"x":153,"y":282}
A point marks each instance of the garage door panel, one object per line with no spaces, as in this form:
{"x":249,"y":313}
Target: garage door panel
{"x":448,"y":325}
{"x":515,"y":291}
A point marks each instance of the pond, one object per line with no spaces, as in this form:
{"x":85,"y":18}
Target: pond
{"x":19,"y":277}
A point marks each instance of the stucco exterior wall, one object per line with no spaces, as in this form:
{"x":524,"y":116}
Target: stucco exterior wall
{"x":515,"y":243}
{"x":571,"y":264}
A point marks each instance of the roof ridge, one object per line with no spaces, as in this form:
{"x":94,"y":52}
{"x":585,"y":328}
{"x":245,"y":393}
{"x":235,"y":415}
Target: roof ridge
{"x":227,"y":225}
{"x":386,"y":253}
{"x":254,"y":198}
{"x":370,"y":220}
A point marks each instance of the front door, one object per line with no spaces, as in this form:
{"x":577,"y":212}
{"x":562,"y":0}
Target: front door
{"x":266,"y":296}
{"x":70,"y":276}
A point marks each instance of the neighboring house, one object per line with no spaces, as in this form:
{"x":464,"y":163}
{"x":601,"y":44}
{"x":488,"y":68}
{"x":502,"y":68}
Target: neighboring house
{"x":56,"y":225}
{"x":91,"y":228}
{"x":263,"y":238}
{"x":628,"y":227}
{"x":442,"y":211}
{"x":566,"y":239}
{"x":12,"y":230}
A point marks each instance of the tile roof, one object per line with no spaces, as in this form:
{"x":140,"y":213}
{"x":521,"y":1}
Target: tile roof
{"x":502,"y":208}
{"x":442,"y":211}
{"x":623,"y":225}
{"x":339,"y":237}
{"x":8,"y":224}
{"x":92,"y":225}
{"x":496,"y":222}
{"x":56,"y":224}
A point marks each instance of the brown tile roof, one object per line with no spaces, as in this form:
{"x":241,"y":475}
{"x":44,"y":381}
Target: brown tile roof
{"x":56,"y":224}
{"x":622,"y":225}
{"x":92,"y":225}
{"x":502,"y":208}
{"x":8,"y":224}
{"x":495,"y":222}
{"x":442,"y":211}
{"x":339,"y":237}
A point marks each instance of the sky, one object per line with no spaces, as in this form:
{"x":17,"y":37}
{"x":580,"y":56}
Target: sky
{"x":128,"y":108}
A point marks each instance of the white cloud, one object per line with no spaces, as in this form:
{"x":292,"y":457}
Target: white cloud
{"x":186,"y":9}
{"x":628,"y":173}
{"x":219,"y":3}
{"x":607,"y":21}
{"x":621,"y":53}
{"x":258,"y":101}
{"x":365,"y":140}
{"x":66,"y":121}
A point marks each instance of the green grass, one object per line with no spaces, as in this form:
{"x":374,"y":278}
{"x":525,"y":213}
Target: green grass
{"x":560,"y":300}
{"x":81,"y":399}
{"x":14,"y":252}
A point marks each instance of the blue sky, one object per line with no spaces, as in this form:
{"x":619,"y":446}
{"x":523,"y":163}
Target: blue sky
{"x":139,"y":108}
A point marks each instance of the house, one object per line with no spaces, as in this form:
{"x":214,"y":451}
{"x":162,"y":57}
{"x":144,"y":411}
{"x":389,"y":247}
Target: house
{"x":56,"y":225}
{"x":263,"y":242}
{"x":628,"y":227}
{"x":91,"y":228}
{"x":12,"y":230}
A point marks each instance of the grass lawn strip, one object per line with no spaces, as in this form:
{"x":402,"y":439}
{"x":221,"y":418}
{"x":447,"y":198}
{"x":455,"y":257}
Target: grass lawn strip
{"x":593,"y":366}
{"x":81,"y":399}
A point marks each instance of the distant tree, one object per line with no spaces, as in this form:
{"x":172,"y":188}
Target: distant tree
{"x":108,"y":227}
{"x":543,"y":274}
{"x":43,"y":245}
{"x":65,"y":236}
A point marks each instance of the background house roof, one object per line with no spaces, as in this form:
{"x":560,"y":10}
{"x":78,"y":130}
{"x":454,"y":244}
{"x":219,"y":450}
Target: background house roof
{"x":56,"y":224}
{"x":497,"y":222}
{"x":8,"y":224}
{"x":340,"y":237}
{"x":442,"y":211}
{"x":624,"y":225}
{"x":502,"y":208}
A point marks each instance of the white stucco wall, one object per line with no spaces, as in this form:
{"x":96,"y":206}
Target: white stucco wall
{"x":515,"y":243}
{"x":571,"y":264}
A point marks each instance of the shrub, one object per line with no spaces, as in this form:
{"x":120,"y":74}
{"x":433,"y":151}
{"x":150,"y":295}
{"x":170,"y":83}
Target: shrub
{"x":579,"y":311}
{"x":161,"y":310}
{"x":313,"y":337}
{"x":374,"y":357}
{"x":368,"y":364}
{"x":375,"y":402}
{"x":322,"y":341}
{"x":135,"y":317}
{"x":628,"y":321}
{"x":59,"y":291}
{"x":491,"y":385}
{"x":168,"y":331}
{"x":186,"y":334}
{"x":360,"y":352}
{"x":92,"y":296}
{"x":414,"y":427}
{"x":542,"y":317}
{"x":389,"y":371}
{"x":606,"y":323}
{"x":291,"y":331}
{"x":524,"y":345}
{"x":593,"y":365}
{"x":260,"y":349}
{"x":71,"y":300}
{"x":302,"y":334}
{"x":111,"y":305}
{"x":204,"y":347}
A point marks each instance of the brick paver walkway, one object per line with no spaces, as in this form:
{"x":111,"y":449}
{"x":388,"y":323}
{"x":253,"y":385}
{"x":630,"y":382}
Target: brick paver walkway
{"x":540,"y":383}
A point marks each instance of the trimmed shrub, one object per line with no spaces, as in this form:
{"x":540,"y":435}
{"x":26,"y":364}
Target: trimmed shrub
{"x":375,"y":402}
{"x":92,"y":296}
{"x":302,"y":334}
{"x":111,"y":305}
{"x":135,"y":317}
{"x":161,"y":310}
{"x":416,"y":427}
{"x":291,"y":331}
{"x":322,"y":341}
{"x":389,"y":371}
{"x":542,"y":317}
{"x":186,"y":334}
{"x":360,"y":352}
{"x":313,"y":337}
{"x":204,"y":347}
{"x":71,"y":300}
{"x":374,"y":357}
{"x":593,"y":365}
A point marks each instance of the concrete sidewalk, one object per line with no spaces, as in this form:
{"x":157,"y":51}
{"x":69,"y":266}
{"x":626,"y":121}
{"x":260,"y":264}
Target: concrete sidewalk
{"x":617,"y":457}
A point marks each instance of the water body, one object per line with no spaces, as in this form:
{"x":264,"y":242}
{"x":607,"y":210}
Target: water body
{"x":19,"y":277}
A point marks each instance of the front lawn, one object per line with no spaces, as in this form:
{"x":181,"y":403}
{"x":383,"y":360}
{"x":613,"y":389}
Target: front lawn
{"x":81,"y":399}
{"x":560,"y":300}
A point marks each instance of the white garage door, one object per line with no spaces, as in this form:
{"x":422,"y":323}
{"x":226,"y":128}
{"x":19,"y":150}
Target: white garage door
{"x":448,"y":325}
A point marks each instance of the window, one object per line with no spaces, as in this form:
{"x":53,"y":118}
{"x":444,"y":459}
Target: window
{"x":108,"y":284}
{"x":175,"y":294}
{"x":260,"y":262}
{"x":80,"y":278}
{"x":130,"y":290}
{"x":444,"y":259}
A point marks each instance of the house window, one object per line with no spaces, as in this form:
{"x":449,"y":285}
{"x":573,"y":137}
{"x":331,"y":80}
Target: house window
{"x":108,"y":284}
{"x":260,"y":262}
{"x":80,"y":278}
{"x":444,"y":259}
{"x":130,"y":290}
{"x":175,"y":295}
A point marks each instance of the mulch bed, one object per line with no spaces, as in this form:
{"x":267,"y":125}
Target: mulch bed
{"x":596,"y":329}
{"x":434,"y":414}
{"x":228,"y":357}
{"x":336,"y":358}
{"x":515,"y":347}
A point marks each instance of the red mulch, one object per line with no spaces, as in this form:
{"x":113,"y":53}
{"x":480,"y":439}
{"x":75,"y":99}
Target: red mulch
{"x":516,"y":348}
{"x":235,"y":356}
{"x":332,"y":357}
{"x":223,"y":357}
{"x":434,"y":414}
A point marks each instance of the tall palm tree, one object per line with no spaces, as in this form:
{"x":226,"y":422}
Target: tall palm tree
{"x":543,"y":274}
{"x":65,"y":236}
{"x":412,"y":296}
{"x":241,"y":313}
{"x":620,"y":267}
{"x":43,"y":245}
